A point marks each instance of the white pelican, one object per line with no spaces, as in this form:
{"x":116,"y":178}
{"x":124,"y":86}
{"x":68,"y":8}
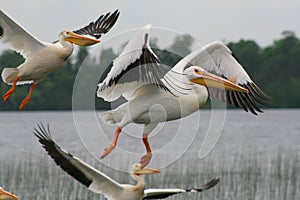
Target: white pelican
{"x":41,"y":57}
{"x":4,"y":195}
{"x":98,"y":182}
{"x":138,"y":75}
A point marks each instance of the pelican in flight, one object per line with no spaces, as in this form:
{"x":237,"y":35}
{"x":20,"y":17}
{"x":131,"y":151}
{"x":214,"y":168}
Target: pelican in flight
{"x":98,"y":182}
{"x":41,"y":57}
{"x":4,"y":195}
{"x":139,"y":76}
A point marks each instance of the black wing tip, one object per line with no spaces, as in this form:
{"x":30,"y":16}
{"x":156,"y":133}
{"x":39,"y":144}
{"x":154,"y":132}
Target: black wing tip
{"x":56,"y":153}
{"x":212,"y":183}
{"x":257,"y":97}
{"x":252,"y":101}
{"x":116,"y":12}
{"x":111,"y":13}
{"x":1,"y":31}
{"x":43,"y":133}
{"x":208,"y":185}
{"x":109,"y":16}
{"x":259,"y":92}
{"x":109,"y":20}
{"x":100,"y":26}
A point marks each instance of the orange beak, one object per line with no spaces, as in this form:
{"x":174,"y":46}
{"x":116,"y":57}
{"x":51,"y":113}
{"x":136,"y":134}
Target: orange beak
{"x":81,"y":40}
{"x":147,"y":171}
{"x":4,"y":195}
{"x":211,"y":80}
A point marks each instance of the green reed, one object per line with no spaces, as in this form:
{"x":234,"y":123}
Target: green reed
{"x":248,"y":177}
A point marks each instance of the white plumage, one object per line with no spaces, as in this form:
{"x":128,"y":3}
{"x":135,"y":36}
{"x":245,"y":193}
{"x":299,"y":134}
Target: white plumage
{"x":43,"y":58}
{"x":217,"y":58}
{"x":18,"y":38}
{"x":99,"y":182}
{"x":138,"y":75}
{"x":108,"y":89}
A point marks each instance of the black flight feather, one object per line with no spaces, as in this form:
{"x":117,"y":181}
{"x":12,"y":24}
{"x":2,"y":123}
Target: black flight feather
{"x":60,"y":157}
{"x":101,"y":26}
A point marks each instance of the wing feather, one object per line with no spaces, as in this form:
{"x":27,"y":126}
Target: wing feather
{"x":164,"y":193}
{"x":218,"y":59}
{"x":137,"y":65}
{"x":79,"y":170}
{"x":101,"y":26}
{"x":17,"y":37}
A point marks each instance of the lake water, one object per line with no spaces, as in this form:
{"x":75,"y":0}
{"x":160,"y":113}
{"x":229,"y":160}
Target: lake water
{"x":267,"y":133}
{"x":240,"y":148}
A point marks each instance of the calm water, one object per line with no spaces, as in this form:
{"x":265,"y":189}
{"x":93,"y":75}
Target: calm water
{"x":175,"y":144}
{"x":272,"y":131}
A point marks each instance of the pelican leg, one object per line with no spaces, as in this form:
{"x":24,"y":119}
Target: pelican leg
{"x":109,"y":149}
{"x":26,"y":100}
{"x":145,"y":160}
{"x":11,"y":90}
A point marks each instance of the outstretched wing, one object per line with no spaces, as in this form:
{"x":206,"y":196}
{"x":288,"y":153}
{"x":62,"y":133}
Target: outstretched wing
{"x":164,"y":193}
{"x":79,"y":170}
{"x":137,"y":65}
{"x":17,"y":37}
{"x":218,"y":59}
{"x":101,"y":26}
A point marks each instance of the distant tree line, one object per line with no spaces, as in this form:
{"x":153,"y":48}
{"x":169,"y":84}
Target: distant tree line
{"x":275,"y":68}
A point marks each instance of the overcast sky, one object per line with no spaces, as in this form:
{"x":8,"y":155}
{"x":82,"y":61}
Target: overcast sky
{"x":225,"y":20}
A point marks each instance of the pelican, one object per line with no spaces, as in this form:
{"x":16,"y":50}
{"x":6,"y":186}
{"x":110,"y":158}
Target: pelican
{"x":139,"y":76}
{"x":4,"y":195}
{"x":98,"y":182}
{"x":41,"y":57}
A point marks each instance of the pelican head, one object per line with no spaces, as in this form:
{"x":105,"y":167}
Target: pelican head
{"x":81,"y":40}
{"x":137,"y":170}
{"x":4,"y":195}
{"x":202,"y":77}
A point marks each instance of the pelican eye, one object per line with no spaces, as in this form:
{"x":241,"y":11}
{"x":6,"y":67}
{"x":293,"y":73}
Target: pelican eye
{"x":196,"y":71}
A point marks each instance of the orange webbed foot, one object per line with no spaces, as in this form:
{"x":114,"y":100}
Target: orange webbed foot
{"x":26,"y":100}
{"x":7,"y":95}
{"x":11,"y":90}
{"x":24,"y":103}
{"x":145,"y":160}
{"x":107,"y":151}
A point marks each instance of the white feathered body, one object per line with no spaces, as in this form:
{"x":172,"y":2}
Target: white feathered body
{"x":130,"y":192}
{"x":159,"y":107}
{"x":125,"y":192}
{"x":34,"y":69}
{"x":176,"y":95}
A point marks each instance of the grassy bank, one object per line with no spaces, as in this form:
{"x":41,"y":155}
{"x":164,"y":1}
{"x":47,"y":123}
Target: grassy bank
{"x":245,"y":177}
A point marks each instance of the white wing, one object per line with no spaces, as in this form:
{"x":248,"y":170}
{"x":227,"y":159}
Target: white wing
{"x":217,"y":58}
{"x":164,"y":193}
{"x":79,"y":170}
{"x":17,"y":37}
{"x":137,"y":65}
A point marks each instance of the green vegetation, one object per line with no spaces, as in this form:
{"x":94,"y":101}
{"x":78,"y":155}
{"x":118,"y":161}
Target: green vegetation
{"x":274,"y":68}
{"x":251,"y":176}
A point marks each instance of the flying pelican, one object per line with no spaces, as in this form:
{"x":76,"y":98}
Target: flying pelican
{"x":4,"y":195}
{"x":98,"y":182}
{"x":139,"y":76}
{"x":41,"y":57}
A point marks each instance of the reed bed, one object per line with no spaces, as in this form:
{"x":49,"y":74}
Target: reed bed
{"x":248,"y":177}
